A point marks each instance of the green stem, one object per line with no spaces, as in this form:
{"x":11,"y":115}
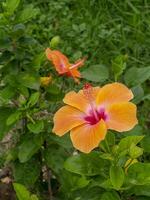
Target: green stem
{"x":107,"y":145}
{"x":30,"y":118}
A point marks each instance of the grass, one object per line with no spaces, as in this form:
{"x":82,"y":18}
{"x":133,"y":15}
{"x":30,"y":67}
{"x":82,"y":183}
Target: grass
{"x":99,"y":29}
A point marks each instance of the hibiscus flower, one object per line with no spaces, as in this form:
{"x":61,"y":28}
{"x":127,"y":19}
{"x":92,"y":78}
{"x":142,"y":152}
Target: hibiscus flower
{"x":62,"y":64}
{"x":92,"y":111}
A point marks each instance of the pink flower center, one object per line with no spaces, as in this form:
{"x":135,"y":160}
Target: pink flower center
{"x":96,"y":116}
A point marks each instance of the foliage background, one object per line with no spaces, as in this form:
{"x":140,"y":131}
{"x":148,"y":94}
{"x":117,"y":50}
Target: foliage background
{"x":115,"y":37}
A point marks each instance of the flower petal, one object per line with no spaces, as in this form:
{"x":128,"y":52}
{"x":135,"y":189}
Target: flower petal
{"x":122,"y":116}
{"x":76,"y":100}
{"x":75,"y":73}
{"x":86,"y":137}
{"x":114,"y":93}
{"x":59,"y":60}
{"x":67,"y":118}
{"x":79,"y":100}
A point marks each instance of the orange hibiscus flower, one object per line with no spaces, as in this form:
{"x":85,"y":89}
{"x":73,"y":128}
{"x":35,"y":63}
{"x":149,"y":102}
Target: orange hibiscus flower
{"x":90,"y":112}
{"x":62,"y":65}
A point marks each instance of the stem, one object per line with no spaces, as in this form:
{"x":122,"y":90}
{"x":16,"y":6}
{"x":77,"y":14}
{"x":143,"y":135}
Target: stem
{"x":49,"y":184}
{"x":48,"y":178}
{"x":30,"y":118}
{"x":107,"y":144}
{"x":24,"y":124}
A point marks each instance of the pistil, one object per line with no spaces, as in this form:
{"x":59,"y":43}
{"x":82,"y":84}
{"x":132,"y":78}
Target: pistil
{"x":88,"y":92}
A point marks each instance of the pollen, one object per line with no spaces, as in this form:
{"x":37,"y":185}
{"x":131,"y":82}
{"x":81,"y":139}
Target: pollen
{"x":88,"y":91}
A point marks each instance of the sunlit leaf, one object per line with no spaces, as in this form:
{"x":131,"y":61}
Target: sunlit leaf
{"x":116,"y":176}
{"x":21,"y":192}
{"x":11,"y":5}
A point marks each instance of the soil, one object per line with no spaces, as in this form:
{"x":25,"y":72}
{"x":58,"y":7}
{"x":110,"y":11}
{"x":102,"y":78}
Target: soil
{"x":7,"y":192}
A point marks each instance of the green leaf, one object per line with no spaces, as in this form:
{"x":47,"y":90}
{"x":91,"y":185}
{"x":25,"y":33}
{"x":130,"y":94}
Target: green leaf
{"x":28,"y":13}
{"x":34,"y":197}
{"x":6,"y":94}
{"x":96,"y":73}
{"x":24,"y":91}
{"x":65,"y":141}
{"x":122,"y":149}
{"x":138,"y":93}
{"x":142,"y":197}
{"x":54,"y":93}
{"x":106,"y":156}
{"x":119,"y":65}
{"x":147,"y":97}
{"x":29,"y":147}
{"x":72,"y":181}
{"x":106,"y":184}
{"x":5,"y":113}
{"x":126,"y":142}
{"x":21,"y":191}
{"x":12,"y":154}
{"x":136,"y":131}
{"x":11,"y":5}
{"x":135,"y":151}
{"x":26,"y":173}
{"x":53,"y":89}
{"x":33,"y":99}
{"x":13,"y":118}
{"x":29,"y":80}
{"x":54,"y":155}
{"x":37,"y":61}
{"x":110,"y":138}
{"x":108,"y":142}
{"x":54,"y":97}
{"x":37,"y":127}
{"x":110,"y":196}
{"x":140,"y":75}
{"x":139,"y":173}
{"x":116,"y":176}
{"x":141,"y":190}
{"x":5,"y":42}
{"x":86,"y":164}
{"x":145,"y":143}
{"x":18,"y":30}
{"x":87,"y":193}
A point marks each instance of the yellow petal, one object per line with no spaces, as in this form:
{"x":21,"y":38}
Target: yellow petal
{"x":79,"y":100}
{"x":122,"y":116}
{"x":113,"y":93}
{"x":86,"y":137}
{"x":67,"y":118}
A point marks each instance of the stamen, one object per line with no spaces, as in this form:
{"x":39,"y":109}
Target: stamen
{"x":77,"y":64}
{"x":88,"y":90}
{"x":88,"y":93}
{"x":74,"y":66}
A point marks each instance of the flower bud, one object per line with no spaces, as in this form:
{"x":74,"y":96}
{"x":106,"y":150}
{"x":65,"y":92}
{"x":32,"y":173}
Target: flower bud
{"x":54,"y":42}
{"x":45,"y":81}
